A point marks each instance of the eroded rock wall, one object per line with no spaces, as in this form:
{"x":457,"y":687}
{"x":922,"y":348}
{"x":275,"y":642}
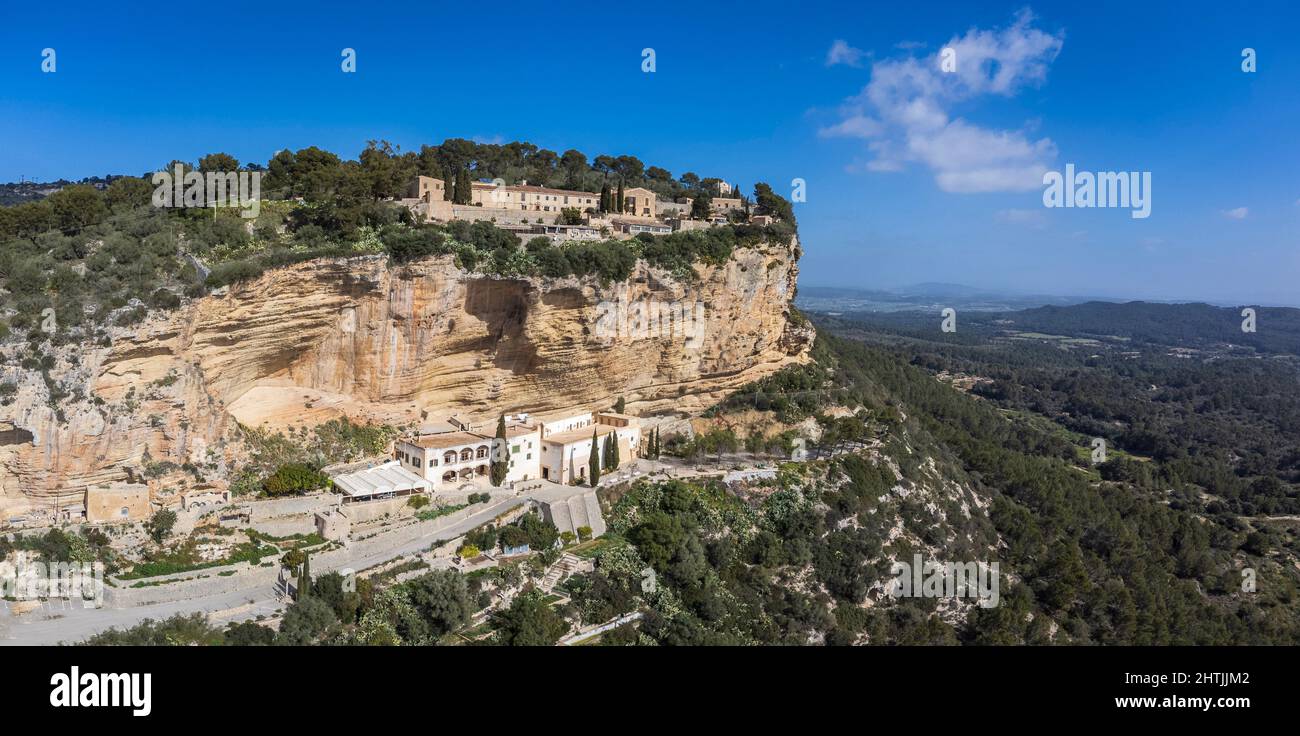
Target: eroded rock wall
{"x":399,"y":344}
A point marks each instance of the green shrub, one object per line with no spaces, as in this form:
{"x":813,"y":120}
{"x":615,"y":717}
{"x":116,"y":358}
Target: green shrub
{"x":294,"y":478}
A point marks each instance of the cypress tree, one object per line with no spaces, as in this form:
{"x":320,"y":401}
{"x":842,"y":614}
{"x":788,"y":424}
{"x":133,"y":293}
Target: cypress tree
{"x":618,"y":206}
{"x":605,"y":456}
{"x":604,"y":197}
{"x":614,"y":460}
{"x":448,"y":185}
{"x":500,"y":464}
{"x":593,"y":463}
{"x":304,"y":577}
{"x":464,"y":194}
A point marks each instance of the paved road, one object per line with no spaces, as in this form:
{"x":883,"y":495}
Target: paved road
{"x":63,"y":621}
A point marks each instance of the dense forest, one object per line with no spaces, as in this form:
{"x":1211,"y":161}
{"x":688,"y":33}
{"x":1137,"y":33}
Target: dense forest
{"x":1109,"y":554}
{"x":1215,"y":422}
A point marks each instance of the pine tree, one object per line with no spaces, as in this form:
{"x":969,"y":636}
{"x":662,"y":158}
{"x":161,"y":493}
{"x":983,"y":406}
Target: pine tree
{"x":593,"y":463}
{"x":304,"y":577}
{"x":500,"y":464}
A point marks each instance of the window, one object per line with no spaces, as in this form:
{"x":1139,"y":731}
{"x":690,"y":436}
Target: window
{"x":124,"y":512}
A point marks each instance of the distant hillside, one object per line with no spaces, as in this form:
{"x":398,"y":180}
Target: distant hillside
{"x":1277,"y":329}
{"x":1190,"y":325}
{"x":923,"y":297}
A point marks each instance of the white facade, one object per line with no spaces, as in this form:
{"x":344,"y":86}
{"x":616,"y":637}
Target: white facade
{"x":558,"y":450}
{"x":447,"y":462}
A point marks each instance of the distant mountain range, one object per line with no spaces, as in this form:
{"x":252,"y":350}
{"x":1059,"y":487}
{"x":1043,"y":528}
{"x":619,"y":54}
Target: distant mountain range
{"x":1276,"y":330}
{"x":925,"y":297}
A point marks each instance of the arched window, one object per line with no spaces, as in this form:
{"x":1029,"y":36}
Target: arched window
{"x":482,"y":452}
{"x":449,"y":456}
{"x":466,"y":454}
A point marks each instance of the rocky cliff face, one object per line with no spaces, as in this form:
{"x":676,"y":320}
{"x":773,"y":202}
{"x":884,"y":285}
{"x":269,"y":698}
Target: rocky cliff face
{"x":390,"y":343}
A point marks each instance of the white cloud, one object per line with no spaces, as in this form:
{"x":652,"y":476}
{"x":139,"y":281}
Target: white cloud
{"x":1236,"y":214}
{"x":842,"y":53}
{"x":855,"y":126}
{"x":904,"y":111}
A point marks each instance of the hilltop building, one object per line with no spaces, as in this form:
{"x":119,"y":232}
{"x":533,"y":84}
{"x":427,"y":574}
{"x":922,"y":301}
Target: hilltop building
{"x":529,"y":210}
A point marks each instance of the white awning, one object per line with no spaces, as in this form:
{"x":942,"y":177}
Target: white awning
{"x":390,"y":477}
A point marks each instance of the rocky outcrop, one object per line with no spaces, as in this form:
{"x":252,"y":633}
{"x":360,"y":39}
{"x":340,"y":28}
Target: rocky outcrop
{"x":398,"y":344}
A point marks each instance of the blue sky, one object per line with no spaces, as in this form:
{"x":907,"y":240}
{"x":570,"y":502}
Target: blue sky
{"x":911,"y":176}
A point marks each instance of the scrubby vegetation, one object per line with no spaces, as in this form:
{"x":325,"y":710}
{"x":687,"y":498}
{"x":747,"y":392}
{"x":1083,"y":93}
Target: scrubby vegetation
{"x":100,"y":258}
{"x":58,"y":545}
{"x":289,"y":463}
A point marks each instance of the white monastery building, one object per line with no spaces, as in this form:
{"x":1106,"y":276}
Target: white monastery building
{"x":455,"y":452}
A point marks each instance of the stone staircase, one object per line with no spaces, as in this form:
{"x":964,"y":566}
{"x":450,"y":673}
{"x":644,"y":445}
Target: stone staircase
{"x":563,"y":568}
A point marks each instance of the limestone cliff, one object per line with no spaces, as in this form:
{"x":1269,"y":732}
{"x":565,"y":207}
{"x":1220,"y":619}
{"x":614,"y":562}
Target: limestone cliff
{"x":393,"y":343}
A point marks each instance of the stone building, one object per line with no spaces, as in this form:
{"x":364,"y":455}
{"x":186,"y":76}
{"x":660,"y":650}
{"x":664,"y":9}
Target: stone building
{"x":640,"y":202}
{"x":117,"y":502}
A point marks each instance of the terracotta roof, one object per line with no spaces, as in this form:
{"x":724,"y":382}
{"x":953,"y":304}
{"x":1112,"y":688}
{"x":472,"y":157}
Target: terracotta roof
{"x":450,"y":439}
